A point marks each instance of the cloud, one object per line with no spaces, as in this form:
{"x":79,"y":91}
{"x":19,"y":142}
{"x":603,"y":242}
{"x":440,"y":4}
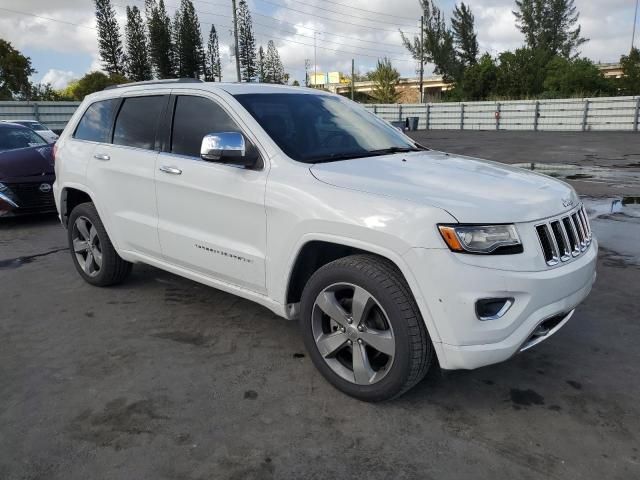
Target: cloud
{"x":58,"y":79}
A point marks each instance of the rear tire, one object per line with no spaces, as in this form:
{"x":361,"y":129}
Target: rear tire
{"x":92,"y":252}
{"x":373,"y":344}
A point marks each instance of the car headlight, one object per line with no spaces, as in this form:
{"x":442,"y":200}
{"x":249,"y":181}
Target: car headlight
{"x":481,"y":239}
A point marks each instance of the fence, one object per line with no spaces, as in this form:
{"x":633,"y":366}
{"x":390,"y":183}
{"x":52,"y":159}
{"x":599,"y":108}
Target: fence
{"x":591,"y":114}
{"x":54,"y":115}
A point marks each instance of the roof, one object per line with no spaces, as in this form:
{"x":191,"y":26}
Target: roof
{"x":5,"y":124}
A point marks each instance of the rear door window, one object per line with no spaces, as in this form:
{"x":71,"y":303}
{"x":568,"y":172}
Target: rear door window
{"x":195,"y":117}
{"x":95,"y":124}
{"x":137,"y":121}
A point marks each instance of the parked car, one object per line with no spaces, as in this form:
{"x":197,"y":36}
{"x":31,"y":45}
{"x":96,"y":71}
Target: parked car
{"x":26,"y":172}
{"x":391,"y":255}
{"x":40,"y":129}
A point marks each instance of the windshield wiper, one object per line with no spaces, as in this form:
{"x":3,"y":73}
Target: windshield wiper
{"x":385,"y":151}
{"x":334,"y":157}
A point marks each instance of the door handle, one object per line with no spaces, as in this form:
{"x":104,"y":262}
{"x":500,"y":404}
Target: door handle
{"x":171,"y":170}
{"x":102,"y":156}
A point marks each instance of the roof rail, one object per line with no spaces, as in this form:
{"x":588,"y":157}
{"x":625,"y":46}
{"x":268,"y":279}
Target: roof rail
{"x":155,"y":82}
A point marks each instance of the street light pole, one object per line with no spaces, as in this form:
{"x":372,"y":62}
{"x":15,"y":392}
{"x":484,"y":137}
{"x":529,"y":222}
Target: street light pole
{"x":421,"y":59}
{"x":315,"y":59}
{"x":635,"y":20}
{"x":235,"y":36}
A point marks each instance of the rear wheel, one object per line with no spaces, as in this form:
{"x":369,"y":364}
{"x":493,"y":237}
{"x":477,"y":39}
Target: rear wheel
{"x":363,"y":329}
{"x":91,"y":249}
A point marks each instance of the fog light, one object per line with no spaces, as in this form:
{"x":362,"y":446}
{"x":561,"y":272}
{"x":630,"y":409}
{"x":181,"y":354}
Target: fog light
{"x":493,"y":308}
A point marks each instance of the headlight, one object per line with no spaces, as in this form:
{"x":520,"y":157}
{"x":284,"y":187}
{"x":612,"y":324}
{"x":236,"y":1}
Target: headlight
{"x":481,"y":239}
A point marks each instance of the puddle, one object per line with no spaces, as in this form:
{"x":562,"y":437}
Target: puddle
{"x":18,"y":262}
{"x":625,"y":205}
{"x":622,"y":177}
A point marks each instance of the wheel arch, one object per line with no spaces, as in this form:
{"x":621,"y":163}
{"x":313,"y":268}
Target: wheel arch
{"x":71,"y":197}
{"x":313,"y":253}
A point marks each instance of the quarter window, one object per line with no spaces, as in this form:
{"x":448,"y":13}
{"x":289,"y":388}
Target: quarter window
{"x":194,"y":118}
{"x":95,"y":124}
{"x":138,"y":120}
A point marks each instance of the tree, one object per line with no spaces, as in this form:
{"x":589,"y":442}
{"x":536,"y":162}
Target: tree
{"x":385,"y":79}
{"x":464,"y":35}
{"x":90,"y":83}
{"x":296,"y":83}
{"x":246,"y":43}
{"x":160,"y":43}
{"x":566,"y":78}
{"x":261,"y":60}
{"x":109,"y":41}
{"x":213,"y":55}
{"x":550,"y":25}
{"x":521,"y":74}
{"x":188,"y":42}
{"x":273,"y":68}
{"x":630,"y":82}
{"x":438,"y":45}
{"x":15,"y":70}
{"x":479,"y":80}
{"x":138,"y":66}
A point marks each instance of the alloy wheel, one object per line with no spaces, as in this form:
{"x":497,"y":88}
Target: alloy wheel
{"x":86,"y":246}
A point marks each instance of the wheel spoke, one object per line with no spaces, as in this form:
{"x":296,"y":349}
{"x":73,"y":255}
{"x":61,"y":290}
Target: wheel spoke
{"x":330,"y":343}
{"x":88,"y":263}
{"x":83,"y":230}
{"x":97,"y":257}
{"x":92,"y":235}
{"x":362,"y":371}
{"x":328,"y":303}
{"x":80,"y":246}
{"x":381,"y":340}
{"x":362,"y":302}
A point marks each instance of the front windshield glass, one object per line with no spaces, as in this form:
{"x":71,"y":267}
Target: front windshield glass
{"x":14,"y":138}
{"x":321,"y":128}
{"x":32,"y":125}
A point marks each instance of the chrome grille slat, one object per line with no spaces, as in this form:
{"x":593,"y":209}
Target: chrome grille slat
{"x":564,"y":237}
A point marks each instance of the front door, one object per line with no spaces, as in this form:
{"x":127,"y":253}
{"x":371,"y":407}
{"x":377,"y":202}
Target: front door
{"x":211,"y":216}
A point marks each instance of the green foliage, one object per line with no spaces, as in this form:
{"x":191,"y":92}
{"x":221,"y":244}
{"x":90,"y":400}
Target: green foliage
{"x":15,"y":70}
{"x":272,"y":66}
{"x":629,"y":84}
{"x":296,"y":83}
{"x":480,"y":80}
{"x":464,"y":35}
{"x":189,"y":49}
{"x":385,"y":79}
{"x":90,"y":83}
{"x":566,"y":78}
{"x":550,"y":25}
{"x":261,"y":64}
{"x":42,"y":92}
{"x":138,"y":66}
{"x":214,"y":67}
{"x":521,"y":74}
{"x":246,"y":43}
{"x":160,"y":42}
{"x":109,"y":42}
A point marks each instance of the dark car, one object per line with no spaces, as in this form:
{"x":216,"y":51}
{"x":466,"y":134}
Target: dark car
{"x":26,"y":172}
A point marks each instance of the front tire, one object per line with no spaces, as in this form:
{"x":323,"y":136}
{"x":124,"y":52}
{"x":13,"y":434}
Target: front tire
{"x":363,"y":330}
{"x":93,"y":254}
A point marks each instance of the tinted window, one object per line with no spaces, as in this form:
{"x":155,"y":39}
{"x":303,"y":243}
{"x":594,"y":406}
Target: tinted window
{"x":95,"y":124}
{"x":13,"y":138}
{"x":315,"y":128}
{"x":32,"y":125}
{"x":137,"y":121}
{"x":194,"y":118}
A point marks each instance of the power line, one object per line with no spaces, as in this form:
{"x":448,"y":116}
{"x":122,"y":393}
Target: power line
{"x":47,"y":18}
{"x":369,"y":11}
{"x":332,"y":19}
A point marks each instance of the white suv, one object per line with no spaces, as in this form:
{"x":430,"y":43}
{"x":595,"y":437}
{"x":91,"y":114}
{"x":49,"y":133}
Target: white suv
{"x":390,"y":254}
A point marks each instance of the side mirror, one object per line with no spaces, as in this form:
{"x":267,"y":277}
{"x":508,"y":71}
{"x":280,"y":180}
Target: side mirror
{"x":227,"y":147}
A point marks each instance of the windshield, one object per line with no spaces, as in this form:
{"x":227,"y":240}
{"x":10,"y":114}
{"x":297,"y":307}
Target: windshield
{"x":32,"y":125}
{"x":14,"y":138}
{"x":320,"y":128}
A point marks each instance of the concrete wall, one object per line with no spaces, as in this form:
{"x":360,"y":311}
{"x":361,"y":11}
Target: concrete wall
{"x":591,"y":114}
{"x":615,"y":113}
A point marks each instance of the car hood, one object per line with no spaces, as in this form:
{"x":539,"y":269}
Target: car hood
{"x":26,"y":162}
{"x":470,"y":189}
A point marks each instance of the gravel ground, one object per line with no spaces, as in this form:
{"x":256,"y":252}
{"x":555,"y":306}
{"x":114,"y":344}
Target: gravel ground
{"x":165,"y":378}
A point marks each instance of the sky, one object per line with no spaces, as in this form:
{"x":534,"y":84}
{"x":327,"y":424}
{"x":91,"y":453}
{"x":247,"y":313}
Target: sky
{"x":60,"y":37}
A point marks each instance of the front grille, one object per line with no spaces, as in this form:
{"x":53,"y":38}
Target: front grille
{"x":565,"y":237}
{"x":29,"y":197}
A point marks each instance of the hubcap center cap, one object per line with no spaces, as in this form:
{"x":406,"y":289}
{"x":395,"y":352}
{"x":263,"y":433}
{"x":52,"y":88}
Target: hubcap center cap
{"x":352,"y":333}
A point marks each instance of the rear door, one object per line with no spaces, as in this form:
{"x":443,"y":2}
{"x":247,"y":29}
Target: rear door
{"x":121,"y":173}
{"x":211,"y":216}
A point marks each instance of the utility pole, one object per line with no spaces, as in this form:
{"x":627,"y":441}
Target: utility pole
{"x":353,"y":80}
{"x":635,"y":19}
{"x":421,"y":58}
{"x":307,"y":64}
{"x":315,"y":60}
{"x":235,"y":36}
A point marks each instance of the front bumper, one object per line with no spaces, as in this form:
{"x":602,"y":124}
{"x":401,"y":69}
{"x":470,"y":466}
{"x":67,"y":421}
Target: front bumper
{"x":449,"y":289}
{"x":27,"y":196}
